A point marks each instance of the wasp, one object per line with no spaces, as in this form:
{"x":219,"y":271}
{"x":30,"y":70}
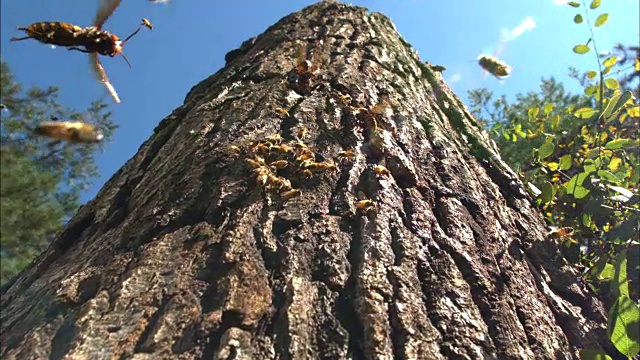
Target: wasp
{"x":381,"y":170}
{"x":91,"y":39}
{"x":275,"y":138}
{"x":262,"y":175}
{"x":234,"y":149}
{"x":495,"y":67}
{"x":70,"y":131}
{"x":257,"y":163}
{"x":289,"y":194}
{"x":282,"y":111}
{"x":346,"y":99}
{"x":347,"y":154}
{"x":302,"y":133}
{"x":561,"y":232}
{"x":365,"y":204}
{"x":283,"y":148}
{"x":279,"y":164}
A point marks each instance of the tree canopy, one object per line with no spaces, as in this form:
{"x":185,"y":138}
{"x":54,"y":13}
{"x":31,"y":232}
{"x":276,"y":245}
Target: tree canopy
{"x":41,"y":181}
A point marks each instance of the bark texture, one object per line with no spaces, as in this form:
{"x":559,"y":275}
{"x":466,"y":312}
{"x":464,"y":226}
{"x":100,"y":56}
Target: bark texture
{"x":196,"y":250}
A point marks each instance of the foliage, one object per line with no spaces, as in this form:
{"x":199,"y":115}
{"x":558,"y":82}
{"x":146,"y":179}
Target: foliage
{"x":579,"y":156}
{"x":40,"y":181}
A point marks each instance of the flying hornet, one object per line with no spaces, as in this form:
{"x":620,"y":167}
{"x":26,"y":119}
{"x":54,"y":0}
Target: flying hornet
{"x":494,"y":66}
{"x":91,"y":39}
{"x":71,"y":131}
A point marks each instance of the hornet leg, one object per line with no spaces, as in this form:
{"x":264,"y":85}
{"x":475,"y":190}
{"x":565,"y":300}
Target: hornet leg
{"x":78,"y":49}
{"x":20,"y":39}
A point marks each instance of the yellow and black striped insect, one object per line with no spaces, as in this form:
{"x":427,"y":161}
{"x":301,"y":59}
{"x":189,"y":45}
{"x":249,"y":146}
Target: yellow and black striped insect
{"x":494,"y":66}
{"x":70,"y":131}
{"x":91,"y":39}
{"x":364,"y":203}
{"x":54,"y":33}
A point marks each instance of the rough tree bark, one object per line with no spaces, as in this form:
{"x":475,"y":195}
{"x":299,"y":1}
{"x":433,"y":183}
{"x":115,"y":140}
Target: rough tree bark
{"x":186,"y":254}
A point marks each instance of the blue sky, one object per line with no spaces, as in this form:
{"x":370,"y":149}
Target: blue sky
{"x":191,"y":37}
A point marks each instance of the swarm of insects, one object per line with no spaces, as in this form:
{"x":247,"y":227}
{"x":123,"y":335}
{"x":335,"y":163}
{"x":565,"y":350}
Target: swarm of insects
{"x":91,"y":39}
{"x":70,"y":131}
{"x":494,"y":66}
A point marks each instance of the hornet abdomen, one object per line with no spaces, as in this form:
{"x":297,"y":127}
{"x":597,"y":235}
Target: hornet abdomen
{"x":55,"y":33}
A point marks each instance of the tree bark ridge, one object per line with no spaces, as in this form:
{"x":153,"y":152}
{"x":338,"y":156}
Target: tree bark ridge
{"x":182,"y":255}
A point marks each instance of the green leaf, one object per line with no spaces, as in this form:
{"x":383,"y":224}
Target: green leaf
{"x":546,"y":150}
{"x":610,"y":61}
{"x":592,"y":154}
{"x":624,"y":231}
{"x":555,"y":121}
{"x":553,"y":166}
{"x":611,"y":83}
{"x":585,"y":113}
{"x":620,"y":286}
{"x":592,"y":74}
{"x":581,"y":49}
{"x":589,"y":164}
{"x":607,"y":273}
{"x":548,"y":108}
{"x":595,"y":4}
{"x":601,"y":20}
{"x":586,"y":220}
{"x":624,"y":98}
{"x":624,"y":326}
{"x":618,"y":144}
{"x":506,"y":134}
{"x":607,"y":175}
{"x":594,"y":206}
{"x":596,"y":269}
{"x":578,"y":19}
{"x":608,"y":110}
{"x":592,"y":354}
{"x":590,"y":90}
{"x":565,"y":162}
{"x":573,"y":4}
{"x":533,"y":112}
{"x":548,"y":192}
{"x":574,"y":186}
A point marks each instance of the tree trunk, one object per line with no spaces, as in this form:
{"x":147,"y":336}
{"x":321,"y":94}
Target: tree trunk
{"x":196,"y":250}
